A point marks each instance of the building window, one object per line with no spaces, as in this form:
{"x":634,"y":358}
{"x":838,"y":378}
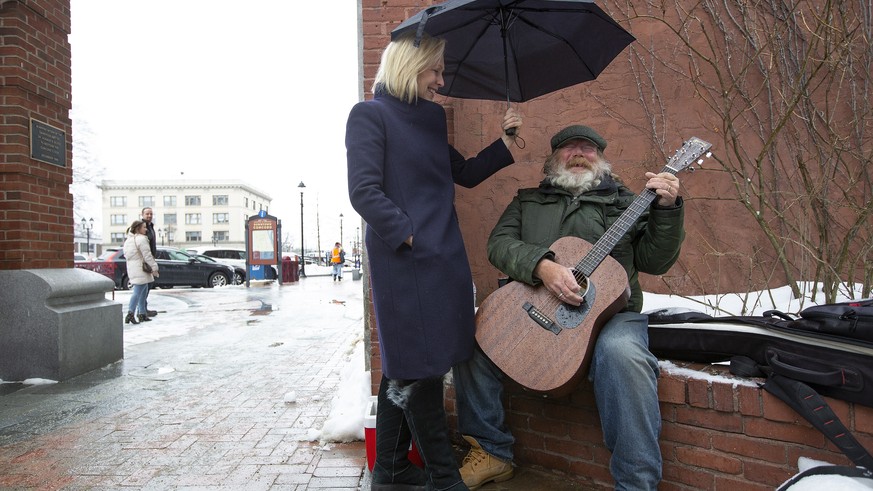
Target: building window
{"x":254,"y":205}
{"x":118,"y":219}
{"x":169,"y":201}
{"x":221,"y":236}
{"x":118,"y":237}
{"x":192,"y":237}
{"x":220,"y":217}
{"x":220,"y":200}
{"x":118,"y":201}
{"x":169,"y":218}
{"x":192,"y":218}
{"x":192,"y":200}
{"x":146,"y":201}
{"x":247,"y":203}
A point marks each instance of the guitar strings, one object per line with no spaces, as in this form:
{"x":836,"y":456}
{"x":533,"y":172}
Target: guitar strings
{"x":554,"y":302}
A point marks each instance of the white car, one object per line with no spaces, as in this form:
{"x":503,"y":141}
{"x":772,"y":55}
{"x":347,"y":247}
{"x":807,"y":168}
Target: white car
{"x":232,"y":257}
{"x":235,"y":258}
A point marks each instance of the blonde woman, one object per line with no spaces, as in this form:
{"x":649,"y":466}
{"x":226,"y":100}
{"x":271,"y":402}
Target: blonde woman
{"x":137,"y":252}
{"x":402,"y":174}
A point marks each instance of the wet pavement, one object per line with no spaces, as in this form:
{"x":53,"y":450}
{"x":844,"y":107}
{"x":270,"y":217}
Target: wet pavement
{"x":198,"y":403}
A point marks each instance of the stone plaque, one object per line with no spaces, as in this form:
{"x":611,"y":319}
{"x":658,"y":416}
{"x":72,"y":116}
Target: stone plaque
{"x":48,"y":144}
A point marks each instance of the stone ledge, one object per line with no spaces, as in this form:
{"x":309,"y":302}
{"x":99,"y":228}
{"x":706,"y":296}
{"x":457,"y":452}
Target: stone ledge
{"x":57,"y":323}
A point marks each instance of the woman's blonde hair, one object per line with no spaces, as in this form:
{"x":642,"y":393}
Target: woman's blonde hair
{"x":402,"y":62}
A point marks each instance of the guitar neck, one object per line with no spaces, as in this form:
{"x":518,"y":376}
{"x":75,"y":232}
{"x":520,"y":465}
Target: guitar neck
{"x":607,"y":242}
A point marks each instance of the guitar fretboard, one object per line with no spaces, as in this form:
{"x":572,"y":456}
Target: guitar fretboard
{"x":690,"y":151}
{"x":607,"y":241}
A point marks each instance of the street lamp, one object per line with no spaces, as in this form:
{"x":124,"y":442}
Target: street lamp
{"x":341,"y":228}
{"x":357,"y":246}
{"x":302,"y":250}
{"x":161,"y":235}
{"x":87,"y":226}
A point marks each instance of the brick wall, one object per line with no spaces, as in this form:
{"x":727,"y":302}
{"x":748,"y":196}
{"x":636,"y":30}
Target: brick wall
{"x":719,"y":433}
{"x":36,"y":207}
{"x":716,"y":435}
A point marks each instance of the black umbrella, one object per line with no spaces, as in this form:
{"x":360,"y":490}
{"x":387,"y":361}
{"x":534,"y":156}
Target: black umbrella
{"x":516,"y":50}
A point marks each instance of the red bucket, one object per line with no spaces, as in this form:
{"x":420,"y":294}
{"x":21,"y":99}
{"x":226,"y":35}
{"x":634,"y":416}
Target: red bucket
{"x":370,"y":438}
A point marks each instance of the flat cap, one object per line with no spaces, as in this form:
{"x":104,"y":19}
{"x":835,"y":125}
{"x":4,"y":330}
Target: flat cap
{"x":577,"y":131}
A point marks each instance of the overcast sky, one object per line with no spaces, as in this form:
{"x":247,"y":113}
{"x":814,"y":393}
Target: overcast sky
{"x":257,"y":90}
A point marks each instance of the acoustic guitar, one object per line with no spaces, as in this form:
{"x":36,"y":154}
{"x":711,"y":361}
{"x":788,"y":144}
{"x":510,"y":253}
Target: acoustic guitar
{"x":544,"y":344}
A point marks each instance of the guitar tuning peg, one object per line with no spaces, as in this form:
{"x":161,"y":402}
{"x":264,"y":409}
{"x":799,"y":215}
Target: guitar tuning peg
{"x":692,"y":169}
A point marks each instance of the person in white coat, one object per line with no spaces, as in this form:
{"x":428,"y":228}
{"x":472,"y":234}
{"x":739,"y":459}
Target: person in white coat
{"x":137,"y":252}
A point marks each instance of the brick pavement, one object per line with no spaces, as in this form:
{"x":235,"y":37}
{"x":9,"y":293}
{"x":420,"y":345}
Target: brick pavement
{"x":198,"y":402}
{"x":203,"y":410}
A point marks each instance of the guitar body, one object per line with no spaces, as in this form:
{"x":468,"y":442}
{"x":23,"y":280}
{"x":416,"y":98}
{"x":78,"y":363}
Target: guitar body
{"x":540,"y":342}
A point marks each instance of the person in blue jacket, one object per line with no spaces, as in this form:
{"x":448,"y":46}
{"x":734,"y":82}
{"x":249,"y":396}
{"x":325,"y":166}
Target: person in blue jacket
{"x":402,"y":173}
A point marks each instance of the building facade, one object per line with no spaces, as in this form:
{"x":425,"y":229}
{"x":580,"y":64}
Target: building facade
{"x":188,"y":214}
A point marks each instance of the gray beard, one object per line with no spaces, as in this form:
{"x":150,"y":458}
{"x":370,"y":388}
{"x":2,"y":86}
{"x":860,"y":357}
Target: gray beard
{"x":576,"y":182}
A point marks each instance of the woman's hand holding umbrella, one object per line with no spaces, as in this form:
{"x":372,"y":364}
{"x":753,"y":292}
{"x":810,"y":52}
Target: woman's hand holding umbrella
{"x":511,"y":119}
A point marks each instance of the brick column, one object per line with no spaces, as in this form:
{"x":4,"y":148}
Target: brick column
{"x":36,"y":207}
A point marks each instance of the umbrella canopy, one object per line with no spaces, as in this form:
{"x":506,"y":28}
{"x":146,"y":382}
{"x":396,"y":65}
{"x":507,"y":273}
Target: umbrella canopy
{"x":517,"y":50}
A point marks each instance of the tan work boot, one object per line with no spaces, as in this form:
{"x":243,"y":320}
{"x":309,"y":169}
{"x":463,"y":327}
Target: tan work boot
{"x":480,"y":467}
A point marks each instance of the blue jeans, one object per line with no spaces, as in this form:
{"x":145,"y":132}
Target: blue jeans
{"x":625,"y":377}
{"x":338,"y":270}
{"x":137,"y":303}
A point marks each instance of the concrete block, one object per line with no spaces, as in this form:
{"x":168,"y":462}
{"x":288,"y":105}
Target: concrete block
{"x":57,"y":323}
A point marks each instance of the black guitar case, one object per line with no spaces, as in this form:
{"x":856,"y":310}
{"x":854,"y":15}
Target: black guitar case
{"x":827,"y":350}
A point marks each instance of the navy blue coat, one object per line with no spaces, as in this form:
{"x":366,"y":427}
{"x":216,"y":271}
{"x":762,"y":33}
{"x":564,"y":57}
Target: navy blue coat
{"x":402,"y":172}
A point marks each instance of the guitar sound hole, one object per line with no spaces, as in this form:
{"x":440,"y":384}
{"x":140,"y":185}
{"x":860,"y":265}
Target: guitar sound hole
{"x":570,"y":317}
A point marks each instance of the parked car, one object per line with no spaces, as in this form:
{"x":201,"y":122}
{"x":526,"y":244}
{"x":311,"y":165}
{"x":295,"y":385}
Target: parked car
{"x":79,"y":257}
{"x":239,"y":273}
{"x":177,"y":268}
{"x":233,"y":257}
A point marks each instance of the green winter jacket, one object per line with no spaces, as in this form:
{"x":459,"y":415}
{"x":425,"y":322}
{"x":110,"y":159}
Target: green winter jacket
{"x":536,"y":218}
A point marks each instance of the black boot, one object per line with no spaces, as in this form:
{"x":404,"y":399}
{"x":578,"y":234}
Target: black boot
{"x":423,"y":404}
{"x":130,"y":319}
{"x":143,"y":318}
{"x":392,"y":470}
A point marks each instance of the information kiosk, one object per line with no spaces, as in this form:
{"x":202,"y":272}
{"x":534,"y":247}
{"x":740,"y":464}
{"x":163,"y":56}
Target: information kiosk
{"x":262,"y":247}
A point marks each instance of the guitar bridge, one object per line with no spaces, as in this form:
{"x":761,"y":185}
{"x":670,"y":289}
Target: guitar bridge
{"x":541,"y":318}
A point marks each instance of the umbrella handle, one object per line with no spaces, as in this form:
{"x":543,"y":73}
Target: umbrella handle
{"x":508,"y":131}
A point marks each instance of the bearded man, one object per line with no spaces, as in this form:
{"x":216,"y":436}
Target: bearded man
{"x":580,"y":197}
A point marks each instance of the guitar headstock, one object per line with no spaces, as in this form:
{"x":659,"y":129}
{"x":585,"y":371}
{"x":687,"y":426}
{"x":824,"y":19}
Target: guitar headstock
{"x":693,"y":150}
